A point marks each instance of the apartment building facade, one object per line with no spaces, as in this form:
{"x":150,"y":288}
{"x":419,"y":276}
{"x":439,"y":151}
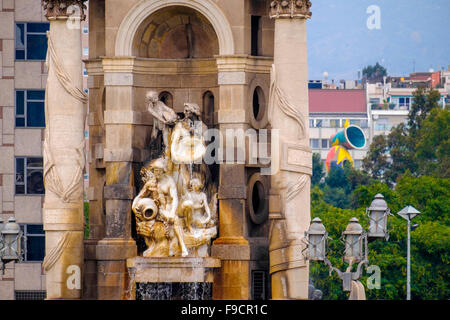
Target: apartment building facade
{"x":390,"y":101}
{"x":23,"y":75}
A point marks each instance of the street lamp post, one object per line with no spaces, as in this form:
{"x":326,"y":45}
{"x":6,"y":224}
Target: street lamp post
{"x":408,"y":213}
{"x":355,"y":238}
{"x":378,"y":213}
{"x":10,"y":242}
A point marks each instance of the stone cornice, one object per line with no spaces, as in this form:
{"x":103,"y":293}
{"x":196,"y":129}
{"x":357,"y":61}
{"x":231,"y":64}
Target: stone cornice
{"x":244,"y":63}
{"x":232,"y":63}
{"x":290,"y":9}
{"x":63,"y":9}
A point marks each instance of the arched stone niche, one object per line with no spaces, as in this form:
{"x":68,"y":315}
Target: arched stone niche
{"x":130,"y":28}
{"x":167,"y":98}
{"x":175,"y":33}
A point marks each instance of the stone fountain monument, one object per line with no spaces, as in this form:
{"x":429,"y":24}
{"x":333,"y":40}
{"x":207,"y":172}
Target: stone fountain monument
{"x":162,"y":224}
{"x":173,"y":212}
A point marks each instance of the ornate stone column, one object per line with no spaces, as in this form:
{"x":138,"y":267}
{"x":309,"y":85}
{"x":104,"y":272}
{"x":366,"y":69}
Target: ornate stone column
{"x":64,"y":151}
{"x":290,"y":186}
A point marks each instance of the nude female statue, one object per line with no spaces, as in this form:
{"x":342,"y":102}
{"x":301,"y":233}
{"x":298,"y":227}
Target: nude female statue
{"x":195,"y":203}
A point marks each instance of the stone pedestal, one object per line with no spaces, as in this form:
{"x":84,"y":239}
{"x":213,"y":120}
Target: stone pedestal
{"x":171,"y":278}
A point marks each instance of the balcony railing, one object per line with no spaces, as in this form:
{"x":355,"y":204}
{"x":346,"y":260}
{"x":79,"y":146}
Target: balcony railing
{"x":390,"y":106}
{"x":411,"y":85}
{"x":385,"y":106}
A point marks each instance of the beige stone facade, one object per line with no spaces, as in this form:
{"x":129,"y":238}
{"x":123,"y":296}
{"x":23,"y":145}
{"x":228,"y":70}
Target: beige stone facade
{"x":24,"y":280}
{"x":217,"y":54}
{"x":136,"y":46}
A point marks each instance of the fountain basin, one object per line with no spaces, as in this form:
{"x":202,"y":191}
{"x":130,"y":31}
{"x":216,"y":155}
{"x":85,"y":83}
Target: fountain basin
{"x":171,"y":278}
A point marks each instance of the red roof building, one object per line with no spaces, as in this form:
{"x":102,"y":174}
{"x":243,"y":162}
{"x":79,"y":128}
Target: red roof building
{"x":337,"y":101}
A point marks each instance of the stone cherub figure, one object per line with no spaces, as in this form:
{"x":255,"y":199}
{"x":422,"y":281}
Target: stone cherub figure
{"x":194,"y":205}
{"x":163,"y":117}
{"x":199,"y":218}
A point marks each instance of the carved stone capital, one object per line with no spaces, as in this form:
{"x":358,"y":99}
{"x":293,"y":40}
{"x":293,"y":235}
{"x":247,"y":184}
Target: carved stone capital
{"x":63,"y":9}
{"x":290,"y":9}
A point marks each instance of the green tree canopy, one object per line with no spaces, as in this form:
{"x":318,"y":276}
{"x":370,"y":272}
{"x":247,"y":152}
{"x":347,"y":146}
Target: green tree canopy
{"x":318,"y":169}
{"x":376,"y":160}
{"x":421,"y":146}
{"x":433,"y":144}
{"x":374,"y":72}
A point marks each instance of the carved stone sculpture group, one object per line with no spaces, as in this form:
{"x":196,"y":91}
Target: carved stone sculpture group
{"x":172,"y":210}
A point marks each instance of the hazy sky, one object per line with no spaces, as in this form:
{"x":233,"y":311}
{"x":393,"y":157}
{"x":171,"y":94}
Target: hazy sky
{"x":340,"y":43}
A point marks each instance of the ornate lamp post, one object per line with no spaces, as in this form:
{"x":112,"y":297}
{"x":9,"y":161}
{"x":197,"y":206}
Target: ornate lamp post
{"x":317,"y":237}
{"x":378,"y":213}
{"x":408,"y":213}
{"x":355,"y":239}
{"x":10,"y":242}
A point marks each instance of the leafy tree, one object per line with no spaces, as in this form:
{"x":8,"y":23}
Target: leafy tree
{"x":376,"y":160}
{"x":338,"y":197}
{"x":420,"y":146}
{"x":340,"y":183}
{"x":318,"y":169}
{"x":374,"y":72}
{"x":337,"y":188}
{"x":401,"y":151}
{"x":433,"y":144}
{"x":86,"y":219}
{"x":356,"y":177}
{"x":336,"y":178}
{"x":424,"y":103}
